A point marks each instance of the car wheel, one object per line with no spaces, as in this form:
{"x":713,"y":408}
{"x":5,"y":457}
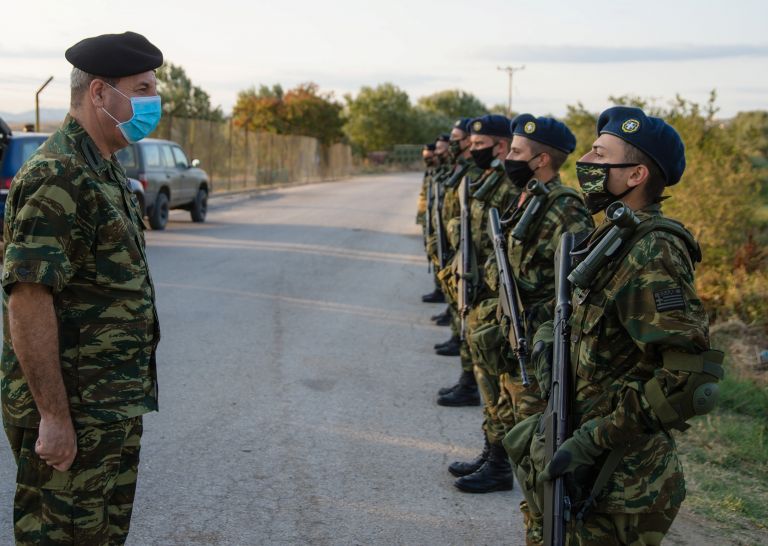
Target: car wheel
{"x":159,"y":217}
{"x":199,"y":206}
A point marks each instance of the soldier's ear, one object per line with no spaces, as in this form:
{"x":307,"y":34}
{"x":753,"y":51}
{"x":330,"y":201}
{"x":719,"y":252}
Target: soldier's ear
{"x":639,"y":175}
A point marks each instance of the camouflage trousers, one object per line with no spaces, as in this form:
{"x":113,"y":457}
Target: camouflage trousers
{"x":88,"y":505}
{"x":646,"y":529}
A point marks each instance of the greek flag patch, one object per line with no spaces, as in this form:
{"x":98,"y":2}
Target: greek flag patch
{"x":670,"y":299}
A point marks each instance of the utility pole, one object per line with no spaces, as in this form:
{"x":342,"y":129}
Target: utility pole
{"x":510,"y":70}
{"x":37,"y":104}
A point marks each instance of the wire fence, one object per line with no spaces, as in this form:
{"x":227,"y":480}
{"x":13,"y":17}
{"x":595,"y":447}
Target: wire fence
{"x":236,"y":158}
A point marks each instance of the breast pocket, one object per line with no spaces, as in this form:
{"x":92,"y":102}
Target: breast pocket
{"x":585,"y":334}
{"x":109,"y":362}
{"x":119,"y":261}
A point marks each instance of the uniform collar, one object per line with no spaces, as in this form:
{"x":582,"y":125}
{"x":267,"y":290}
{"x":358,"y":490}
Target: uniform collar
{"x":83,"y":143}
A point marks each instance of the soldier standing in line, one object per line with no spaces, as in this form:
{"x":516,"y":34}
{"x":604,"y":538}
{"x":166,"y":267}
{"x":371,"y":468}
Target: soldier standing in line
{"x":464,"y":166}
{"x":443,"y":166}
{"x":539,"y":148}
{"x":639,"y":344}
{"x":490,"y":137}
{"x":80,"y":325}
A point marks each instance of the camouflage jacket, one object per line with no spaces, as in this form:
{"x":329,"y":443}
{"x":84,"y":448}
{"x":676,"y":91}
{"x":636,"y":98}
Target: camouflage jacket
{"x":451,"y":205}
{"x":648,"y":304}
{"x":532,"y":261}
{"x":501,"y":196}
{"x":421,"y":206}
{"x":72,"y":224}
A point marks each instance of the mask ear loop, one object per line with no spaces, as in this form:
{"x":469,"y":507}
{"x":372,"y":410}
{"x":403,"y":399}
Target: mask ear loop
{"x":119,"y":92}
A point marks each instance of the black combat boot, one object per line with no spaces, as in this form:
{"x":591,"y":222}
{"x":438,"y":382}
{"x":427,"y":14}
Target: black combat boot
{"x":452,"y":341}
{"x":464,"y":377}
{"x":463,"y":394}
{"x":442,"y":319}
{"x":436,"y":296}
{"x":495,"y":474}
{"x":451,"y":348}
{"x":461,"y":468}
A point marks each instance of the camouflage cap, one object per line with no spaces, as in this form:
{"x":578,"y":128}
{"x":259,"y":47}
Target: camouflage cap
{"x":652,"y":136}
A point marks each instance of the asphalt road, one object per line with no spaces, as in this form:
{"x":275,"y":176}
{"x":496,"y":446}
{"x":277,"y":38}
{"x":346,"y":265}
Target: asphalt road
{"x":297,"y":381}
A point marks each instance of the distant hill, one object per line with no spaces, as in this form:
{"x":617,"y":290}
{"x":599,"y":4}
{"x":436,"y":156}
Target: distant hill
{"x":47,"y":116}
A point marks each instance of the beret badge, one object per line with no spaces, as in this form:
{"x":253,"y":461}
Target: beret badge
{"x":630,"y":126}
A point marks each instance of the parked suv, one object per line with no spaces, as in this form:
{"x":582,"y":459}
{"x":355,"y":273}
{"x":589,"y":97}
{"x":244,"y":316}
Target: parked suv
{"x":170,"y":180}
{"x":15,"y":148}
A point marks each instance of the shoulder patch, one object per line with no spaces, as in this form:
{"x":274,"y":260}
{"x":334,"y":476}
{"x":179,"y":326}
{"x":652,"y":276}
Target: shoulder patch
{"x":670,"y":299}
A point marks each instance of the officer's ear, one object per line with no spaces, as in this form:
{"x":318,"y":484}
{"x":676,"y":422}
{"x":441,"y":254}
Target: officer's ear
{"x":96,"y":91}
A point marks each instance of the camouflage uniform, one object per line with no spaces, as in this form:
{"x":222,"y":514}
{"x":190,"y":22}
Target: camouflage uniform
{"x":451,"y":209}
{"x":642,"y":307}
{"x":499,"y":194}
{"x":72,"y":224}
{"x":532,"y":265}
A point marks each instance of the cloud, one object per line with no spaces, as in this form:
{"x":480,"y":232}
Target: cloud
{"x":598,"y":54}
{"x":31,"y":54}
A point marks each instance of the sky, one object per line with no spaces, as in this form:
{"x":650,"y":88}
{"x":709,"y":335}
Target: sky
{"x":572,"y":51}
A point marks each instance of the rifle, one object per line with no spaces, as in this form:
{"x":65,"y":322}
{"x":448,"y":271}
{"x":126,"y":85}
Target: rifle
{"x":437,"y":219}
{"x":428,"y":221}
{"x":465,"y":250}
{"x":557,"y":504}
{"x":508,"y":295}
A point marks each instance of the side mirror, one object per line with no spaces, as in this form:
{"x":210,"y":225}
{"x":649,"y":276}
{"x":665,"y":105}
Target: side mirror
{"x":195,"y":163}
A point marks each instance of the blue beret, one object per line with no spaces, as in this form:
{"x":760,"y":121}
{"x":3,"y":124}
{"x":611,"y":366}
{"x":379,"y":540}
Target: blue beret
{"x":547,"y":131}
{"x":491,"y":125}
{"x":115,"y":55}
{"x":430,"y":147}
{"x":462,"y":124}
{"x":445,"y":137}
{"x":652,"y":136}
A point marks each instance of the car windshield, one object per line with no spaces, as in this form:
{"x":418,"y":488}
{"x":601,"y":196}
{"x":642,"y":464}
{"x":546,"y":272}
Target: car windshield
{"x":18,"y":152}
{"x":127,"y":157}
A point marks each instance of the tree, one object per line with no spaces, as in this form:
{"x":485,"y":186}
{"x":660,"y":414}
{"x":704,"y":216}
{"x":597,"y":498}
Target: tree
{"x":453,"y":104}
{"x":308,"y":112}
{"x":260,"y":110}
{"x":183,"y":99}
{"x":379,"y":117}
{"x":303,"y":110}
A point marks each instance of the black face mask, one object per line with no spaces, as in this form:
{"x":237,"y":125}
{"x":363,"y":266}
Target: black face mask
{"x":484,"y":157}
{"x":593,"y":178}
{"x":519,"y":170}
{"x":455,"y":149}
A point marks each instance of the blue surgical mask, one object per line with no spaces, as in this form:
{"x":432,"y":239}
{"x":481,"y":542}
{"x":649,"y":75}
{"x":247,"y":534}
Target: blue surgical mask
{"x":146,"y":116}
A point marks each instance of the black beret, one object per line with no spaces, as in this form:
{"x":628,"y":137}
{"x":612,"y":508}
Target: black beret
{"x":547,"y":131}
{"x":462,"y":124}
{"x":445,"y":137}
{"x":115,"y":55}
{"x":430,"y":147}
{"x":653,"y":136}
{"x":491,"y":125}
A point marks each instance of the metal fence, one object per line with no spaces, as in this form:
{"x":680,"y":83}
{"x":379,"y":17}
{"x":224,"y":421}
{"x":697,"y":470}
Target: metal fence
{"x":235,"y":158}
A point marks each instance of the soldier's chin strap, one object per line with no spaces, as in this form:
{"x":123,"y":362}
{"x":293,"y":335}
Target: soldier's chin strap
{"x":699,"y":394}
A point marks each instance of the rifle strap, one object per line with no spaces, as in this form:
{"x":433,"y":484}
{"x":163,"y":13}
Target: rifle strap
{"x":654,"y":223}
{"x":557,"y":191}
{"x":609,"y":467}
{"x":456,"y":176}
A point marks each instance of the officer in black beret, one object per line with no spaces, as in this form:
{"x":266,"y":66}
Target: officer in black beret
{"x":79,"y":344}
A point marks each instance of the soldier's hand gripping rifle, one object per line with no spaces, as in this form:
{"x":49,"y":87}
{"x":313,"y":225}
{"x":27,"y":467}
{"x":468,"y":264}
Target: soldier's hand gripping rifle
{"x":557,"y":504}
{"x":508,"y":295}
{"x":465,"y":249}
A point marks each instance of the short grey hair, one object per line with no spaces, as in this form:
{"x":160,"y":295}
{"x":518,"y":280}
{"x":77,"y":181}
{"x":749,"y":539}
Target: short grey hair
{"x":80,"y":82}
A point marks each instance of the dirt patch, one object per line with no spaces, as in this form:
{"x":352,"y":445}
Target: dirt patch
{"x":692,"y":530}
